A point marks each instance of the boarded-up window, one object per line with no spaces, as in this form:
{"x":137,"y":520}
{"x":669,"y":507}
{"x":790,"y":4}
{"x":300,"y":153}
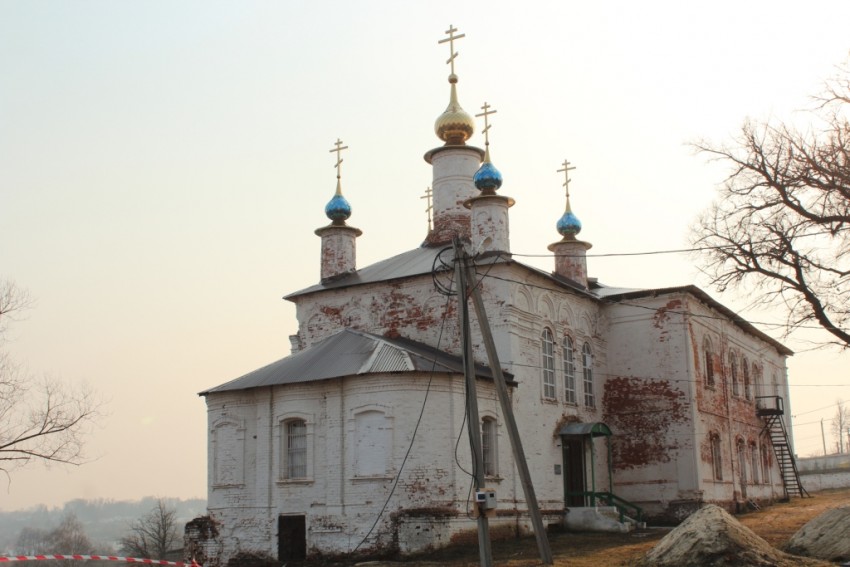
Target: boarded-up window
{"x":228,"y":441}
{"x":372,"y":445}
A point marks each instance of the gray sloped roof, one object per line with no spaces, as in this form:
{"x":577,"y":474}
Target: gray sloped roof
{"x":351,"y":353}
{"x":421,"y":261}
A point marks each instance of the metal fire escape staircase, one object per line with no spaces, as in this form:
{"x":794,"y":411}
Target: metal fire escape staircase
{"x":771,"y":409}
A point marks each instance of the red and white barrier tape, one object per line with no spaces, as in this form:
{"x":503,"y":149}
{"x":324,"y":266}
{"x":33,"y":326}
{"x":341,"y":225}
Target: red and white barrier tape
{"x":8,"y":558}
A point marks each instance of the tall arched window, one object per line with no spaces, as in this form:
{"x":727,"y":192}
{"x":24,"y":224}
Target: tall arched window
{"x":569,"y":371}
{"x":709,"y":363}
{"x":733,"y":373}
{"x":294,"y":449}
{"x":754,"y":460}
{"x":765,"y":463}
{"x":756,"y":381}
{"x":548,"y":351}
{"x":587,"y":373}
{"x":716,"y":456}
{"x":745,"y":366}
{"x":742,"y":460}
{"x":489,"y":446}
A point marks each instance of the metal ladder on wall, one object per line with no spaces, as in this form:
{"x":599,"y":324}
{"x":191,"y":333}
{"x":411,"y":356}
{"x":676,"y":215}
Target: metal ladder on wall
{"x":771,"y":409}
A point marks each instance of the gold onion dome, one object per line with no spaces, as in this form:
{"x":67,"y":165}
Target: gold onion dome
{"x":454,"y":126}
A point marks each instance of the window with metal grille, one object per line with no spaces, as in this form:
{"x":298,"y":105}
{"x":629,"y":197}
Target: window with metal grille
{"x":569,"y":371}
{"x":548,"y":346}
{"x":296,"y":449}
{"x":587,"y":372}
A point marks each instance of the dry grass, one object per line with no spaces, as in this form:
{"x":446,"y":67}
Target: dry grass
{"x":776,"y":524}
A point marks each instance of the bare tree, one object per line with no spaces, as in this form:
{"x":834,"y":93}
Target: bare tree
{"x":42,"y":420}
{"x":841,"y":425}
{"x":781,"y":227}
{"x":153,"y":535}
{"x":69,"y":538}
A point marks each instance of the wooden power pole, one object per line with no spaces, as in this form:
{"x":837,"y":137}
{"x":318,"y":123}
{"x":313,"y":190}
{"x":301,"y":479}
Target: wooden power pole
{"x":469,"y":288}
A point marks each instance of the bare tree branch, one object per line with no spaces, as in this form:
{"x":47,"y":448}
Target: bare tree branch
{"x":40,"y":420}
{"x":781,"y":227}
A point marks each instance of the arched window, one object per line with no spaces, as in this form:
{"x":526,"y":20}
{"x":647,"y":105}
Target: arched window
{"x":746,"y":368}
{"x":569,"y":371}
{"x":756,"y":381}
{"x":709,"y":363}
{"x":587,"y":373}
{"x":548,"y":348}
{"x":733,"y":373}
{"x":765,"y":464}
{"x":742,"y":460}
{"x":294,"y":449}
{"x":716,"y":456}
{"x":754,"y":460}
{"x":489,"y":446}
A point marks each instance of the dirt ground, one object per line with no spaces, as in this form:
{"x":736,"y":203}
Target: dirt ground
{"x":776,"y":524}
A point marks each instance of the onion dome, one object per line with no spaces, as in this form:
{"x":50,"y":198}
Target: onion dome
{"x":454,"y":126}
{"x":569,"y":225}
{"x":338,"y":209}
{"x":487,"y":179}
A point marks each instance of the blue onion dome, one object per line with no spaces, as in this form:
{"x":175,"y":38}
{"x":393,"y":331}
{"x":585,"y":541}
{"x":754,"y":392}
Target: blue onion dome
{"x":488,"y":179}
{"x":569,"y":225}
{"x":338,"y":209}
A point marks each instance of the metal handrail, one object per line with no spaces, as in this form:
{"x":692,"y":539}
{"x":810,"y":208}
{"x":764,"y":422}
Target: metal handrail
{"x":612,"y":499}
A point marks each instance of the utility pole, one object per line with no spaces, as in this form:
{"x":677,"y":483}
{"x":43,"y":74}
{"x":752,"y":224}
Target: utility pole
{"x":543,"y":548}
{"x":823,"y":436}
{"x":472,"y":420}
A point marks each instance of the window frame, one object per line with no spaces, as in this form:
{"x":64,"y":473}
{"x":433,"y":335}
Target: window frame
{"x":547,"y":351}
{"x":568,"y":358}
{"x":587,"y":375}
{"x":490,"y":446}
{"x":708,"y":355}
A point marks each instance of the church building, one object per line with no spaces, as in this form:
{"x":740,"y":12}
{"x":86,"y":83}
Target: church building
{"x":650,"y":402}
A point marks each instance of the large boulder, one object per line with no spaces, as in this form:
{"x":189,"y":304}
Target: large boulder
{"x":712,"y":537}
{"x":826,"y":536}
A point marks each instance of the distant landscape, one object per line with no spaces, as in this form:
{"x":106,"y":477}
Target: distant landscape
{"x":105,"y":521}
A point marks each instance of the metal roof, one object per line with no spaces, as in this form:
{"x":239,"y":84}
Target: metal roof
{"x":594,"y":429}
{"x":351,"y":353}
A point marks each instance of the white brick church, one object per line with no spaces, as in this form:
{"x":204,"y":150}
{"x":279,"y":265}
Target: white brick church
{"x":357,"y":440}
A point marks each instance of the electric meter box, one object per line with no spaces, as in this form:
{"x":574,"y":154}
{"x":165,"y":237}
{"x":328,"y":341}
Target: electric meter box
{"x":486,"y":499}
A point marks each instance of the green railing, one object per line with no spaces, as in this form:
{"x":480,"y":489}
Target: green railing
{"x":624,"y":507}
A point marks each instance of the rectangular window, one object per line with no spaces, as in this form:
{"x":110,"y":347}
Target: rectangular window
{"x":296,"y":449}
{"x":569,"y":372}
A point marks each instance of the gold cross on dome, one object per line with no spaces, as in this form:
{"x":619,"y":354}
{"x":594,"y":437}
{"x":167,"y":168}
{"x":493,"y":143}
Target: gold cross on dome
{"x":487,"y":112}
{"x":428,"y":195}
{"x":451,"y":39}
{"x":566,"y":171}
{"x":338,"y":149}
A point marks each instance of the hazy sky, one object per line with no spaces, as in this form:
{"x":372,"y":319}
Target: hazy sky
{"x":163,"y":165}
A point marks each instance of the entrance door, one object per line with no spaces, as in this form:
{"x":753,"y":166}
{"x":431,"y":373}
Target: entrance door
{"x":291,"y":538}
{"x":573,"y":471}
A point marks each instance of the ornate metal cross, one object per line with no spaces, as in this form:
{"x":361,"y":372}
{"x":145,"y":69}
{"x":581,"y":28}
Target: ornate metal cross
{"x":451,"y":39}
{"x":566,"y":172}
{"x":338,"y":149}
{"x":487,"y":112}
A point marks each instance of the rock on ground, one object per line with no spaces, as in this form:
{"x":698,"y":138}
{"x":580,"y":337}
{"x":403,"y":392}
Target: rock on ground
{"x":826,"y":536}
{"x":712,"y":537}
